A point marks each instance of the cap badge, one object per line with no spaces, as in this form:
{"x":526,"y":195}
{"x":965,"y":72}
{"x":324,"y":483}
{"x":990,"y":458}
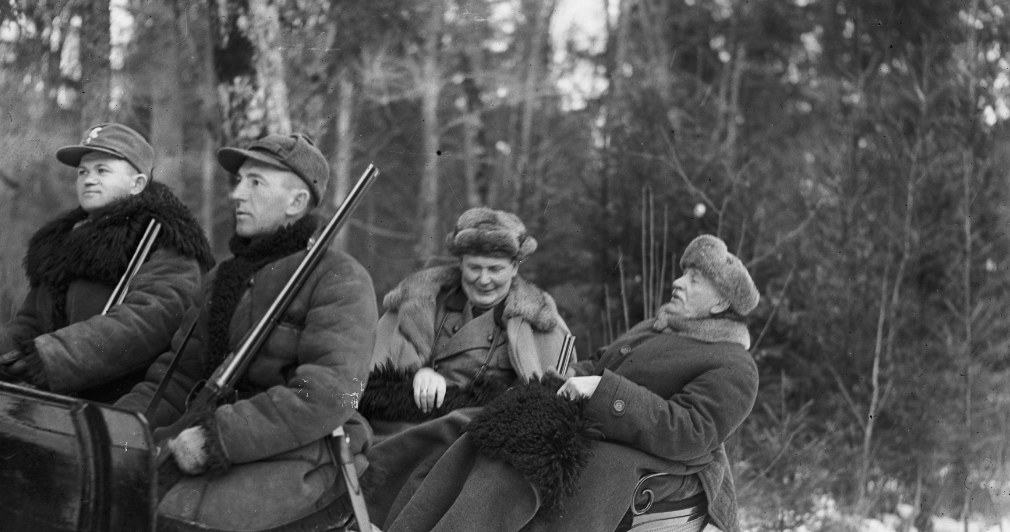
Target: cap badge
{"x":92,"y":135}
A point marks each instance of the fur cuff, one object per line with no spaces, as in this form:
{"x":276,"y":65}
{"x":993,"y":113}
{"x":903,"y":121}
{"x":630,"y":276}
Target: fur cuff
{"x":217,"y":458}
{"x":390,"y":396}
{"x":540,"y":433}
{"x":198,"y":449}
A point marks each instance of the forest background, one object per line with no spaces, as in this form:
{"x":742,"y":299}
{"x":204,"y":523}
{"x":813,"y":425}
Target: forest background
{"x":854,"y":153}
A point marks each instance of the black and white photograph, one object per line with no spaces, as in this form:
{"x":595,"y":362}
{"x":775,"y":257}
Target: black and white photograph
{"x":505,"y":265}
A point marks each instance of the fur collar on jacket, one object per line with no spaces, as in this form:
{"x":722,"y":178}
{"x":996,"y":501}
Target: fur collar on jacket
{"x":100,"y":250}
{"x":414,"y":299}
{"x":709,"y":330}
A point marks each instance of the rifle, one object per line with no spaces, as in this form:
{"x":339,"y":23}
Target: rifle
{"x":224,"y":378}
{"x":565,"y":358}
{"x":139,"y":256}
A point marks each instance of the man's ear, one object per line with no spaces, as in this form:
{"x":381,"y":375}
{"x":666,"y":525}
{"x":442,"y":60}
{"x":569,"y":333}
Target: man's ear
{"x":721,"y":306}
{"x":139,"y":184}
{"x":299,"y":203}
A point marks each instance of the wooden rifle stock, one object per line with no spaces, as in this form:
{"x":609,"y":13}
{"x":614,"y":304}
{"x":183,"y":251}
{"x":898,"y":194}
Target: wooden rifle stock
{"x":224,"y":378}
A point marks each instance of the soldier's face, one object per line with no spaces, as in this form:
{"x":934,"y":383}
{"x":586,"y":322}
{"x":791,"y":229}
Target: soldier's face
{"x":694,"y":296}
{"x":265,"y":198}
{"x":486,"y":280}
{"x":103,"y":179}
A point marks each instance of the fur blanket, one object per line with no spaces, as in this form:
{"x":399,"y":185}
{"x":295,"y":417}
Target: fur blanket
{"x":543,"y":435}
{"x":390,"y":396}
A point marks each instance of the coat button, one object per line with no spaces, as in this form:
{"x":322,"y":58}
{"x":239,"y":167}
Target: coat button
{"x":490,"y":337}
{"x":625,"y":349}
{"x":618,"y":406}
{"x":252,"y":281}
{"x":455,"y":328}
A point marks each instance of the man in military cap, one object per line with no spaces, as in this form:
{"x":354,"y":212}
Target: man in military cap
{"x":60,"y":340}
{"x":260,"y":461}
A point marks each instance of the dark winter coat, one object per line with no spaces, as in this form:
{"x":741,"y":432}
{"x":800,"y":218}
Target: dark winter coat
{"x":304,"y":382}
{"x":73,"y":263}
{"x":670,"y":401}
{"x":665,"y":403}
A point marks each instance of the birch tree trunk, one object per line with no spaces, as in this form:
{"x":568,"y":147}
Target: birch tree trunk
{"x":200,"y":26}
{"x":168,"y":106}
{"x":96,"y":72}
{"x":473,"y":130}
{"x":344,"y":148}
{"x":430,"y":84}
{"x":525,"y":179}
{"x":264,"y":32}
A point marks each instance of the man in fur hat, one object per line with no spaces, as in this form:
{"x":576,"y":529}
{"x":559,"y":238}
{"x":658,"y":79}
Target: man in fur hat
{"x":59,"y":340}
{"x":662,"y":399}
{"x":455,"y":336}
{"x":260,"y":460}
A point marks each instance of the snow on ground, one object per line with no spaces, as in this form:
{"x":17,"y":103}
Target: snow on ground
{"x":827,"y":517}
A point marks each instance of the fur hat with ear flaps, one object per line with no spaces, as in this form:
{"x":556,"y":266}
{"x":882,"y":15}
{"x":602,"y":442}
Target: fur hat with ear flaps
{"x":709,"y":255}
{"x":484,"y":231}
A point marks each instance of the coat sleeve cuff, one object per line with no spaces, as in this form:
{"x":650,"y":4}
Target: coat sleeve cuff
{"x":36,"y":369}
{"x":217,"y":457}
{"x":610,"y":400}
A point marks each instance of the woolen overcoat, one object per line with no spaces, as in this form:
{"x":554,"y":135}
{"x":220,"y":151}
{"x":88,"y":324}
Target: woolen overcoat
{"x":666,"y":403}
{"x":304,"y":382}
{"x":73,"y":264}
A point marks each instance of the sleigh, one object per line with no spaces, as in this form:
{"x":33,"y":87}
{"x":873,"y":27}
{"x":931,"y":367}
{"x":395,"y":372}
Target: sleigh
{"x":72,"y":465}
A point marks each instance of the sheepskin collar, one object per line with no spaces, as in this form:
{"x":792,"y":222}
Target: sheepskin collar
{"x":524,"y":300}
{"x":709,"y":330}
{"x":100,"y":249}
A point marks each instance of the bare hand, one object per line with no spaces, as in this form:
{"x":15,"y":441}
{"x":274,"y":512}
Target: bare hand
{"x":429,"y":389}
{"x":580,"y":387}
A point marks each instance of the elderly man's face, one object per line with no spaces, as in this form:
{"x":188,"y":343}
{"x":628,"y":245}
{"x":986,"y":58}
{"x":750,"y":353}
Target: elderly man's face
{"x":694,"y":296}
{"x":265,"y":198}
{"x":103,"y":179}
{"x":486,"y":280}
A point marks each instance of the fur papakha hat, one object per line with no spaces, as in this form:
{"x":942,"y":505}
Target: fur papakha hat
{"x":484,"y":231}
{"x":709,"y":255}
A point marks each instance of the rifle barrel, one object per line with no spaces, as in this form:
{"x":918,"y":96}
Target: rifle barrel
{"x":228,"y":373}
{"x":565,"y":358}
{"x":138,"y":258}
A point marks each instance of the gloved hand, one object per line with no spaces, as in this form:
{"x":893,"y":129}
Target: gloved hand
{"x":13,"y":366}
{"x":189,"y":449}
{"x":20,"y":367}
